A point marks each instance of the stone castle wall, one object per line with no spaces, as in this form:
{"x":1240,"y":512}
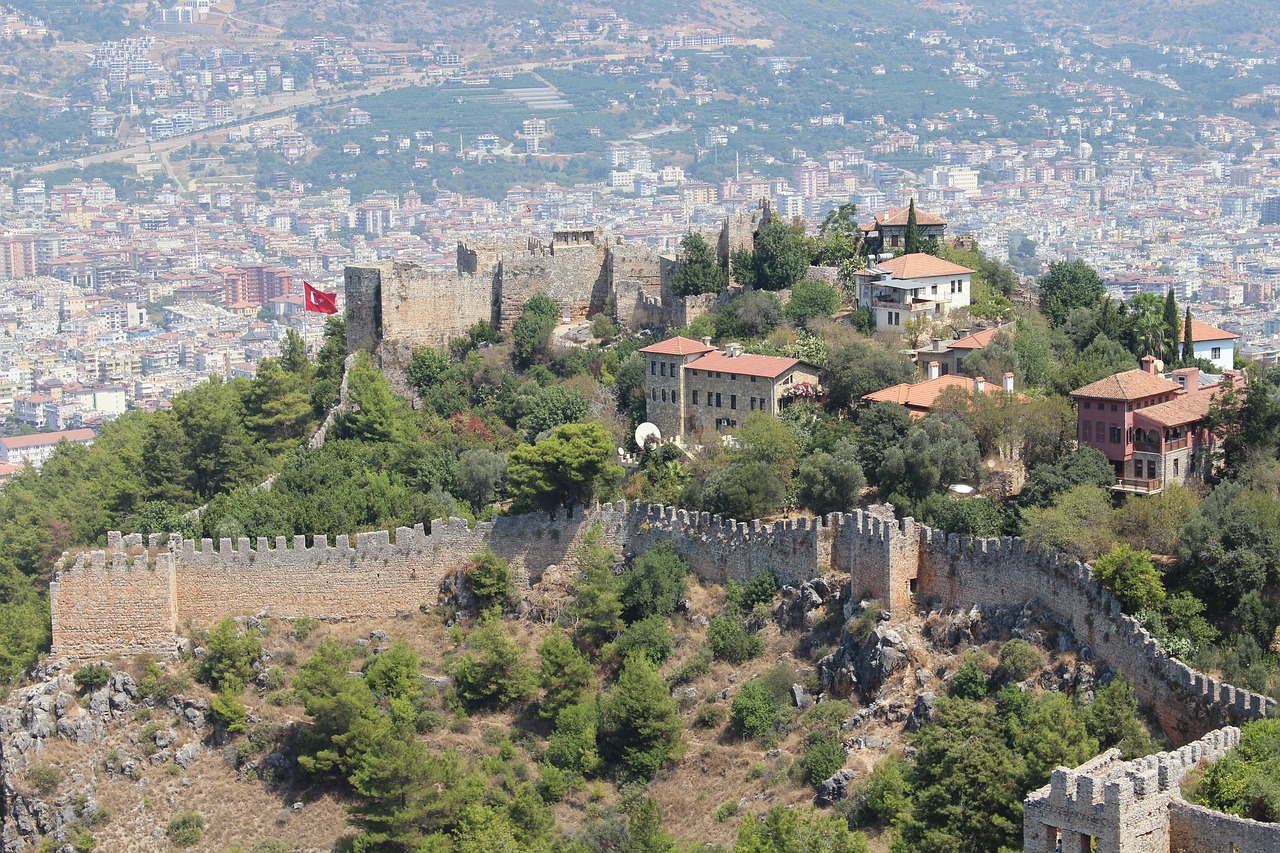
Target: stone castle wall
{"x":403,"y":301}
{"x":104,"y":603}
{"x":1115,"y":806}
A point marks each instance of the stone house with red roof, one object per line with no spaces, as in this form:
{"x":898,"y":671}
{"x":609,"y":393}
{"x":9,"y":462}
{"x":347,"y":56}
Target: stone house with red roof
{"x":888,"y":231}
{"x":691,"y":387}
{"x":1150,"y":427}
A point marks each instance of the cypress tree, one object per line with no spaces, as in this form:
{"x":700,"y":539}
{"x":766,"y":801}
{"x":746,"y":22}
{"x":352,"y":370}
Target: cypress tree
{"x":911,"y":243}
{"x":1171,"y":326}
{"x":1188,"y":345}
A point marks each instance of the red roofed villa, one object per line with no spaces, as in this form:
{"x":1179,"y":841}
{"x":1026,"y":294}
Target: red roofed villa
{"x":693,"y":387}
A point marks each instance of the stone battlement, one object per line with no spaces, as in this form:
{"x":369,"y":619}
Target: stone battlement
{"x":1137,"y":806}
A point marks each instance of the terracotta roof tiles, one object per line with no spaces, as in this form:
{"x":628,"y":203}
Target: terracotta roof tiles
{"x":677,"y":346}
{"x":1128,"y":385}
{"x":768,"y":366}
{"x":920,"y":265}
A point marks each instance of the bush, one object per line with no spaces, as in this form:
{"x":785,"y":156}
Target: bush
{"x":553,"y":782}
{"x":84,"y":842}
{"x":1132,"y":578}
{"x":572,"y":745}
{"x":759,"y":590}
{"x":730,"y":641}
{"x":824,"y":754}
{"x":654,"y":584}
{"x":811,"y":298}
{"x":698,"y":665}
{"x":492,"y":670}
{"x":969,"y":682}
{"x":229,"y":711}
{"x":1019,"y":659}
{"x":276,"y":679}
{"x":161,"y":685}
{"x":491,"y":579}
{"x":756,"y":711}
{"x":883,"y":797}
{"x":90,"y":678}
{"x":229,"y":656}
{"x":270,"y":845}
{"x":649,"y":637}
{"x":186,"y":828}
{"x":44,"y":778}
{"x":726,"y":811}
{"x":710,"y":716}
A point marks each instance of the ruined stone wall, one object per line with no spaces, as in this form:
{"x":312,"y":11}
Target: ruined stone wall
{"x":1128,"y":806}
{"x":120,"y":604}
{"x":403,"y":301}
{"x":575,"y":275}
{"x":963,"y":572}
{"x":635,"y":274}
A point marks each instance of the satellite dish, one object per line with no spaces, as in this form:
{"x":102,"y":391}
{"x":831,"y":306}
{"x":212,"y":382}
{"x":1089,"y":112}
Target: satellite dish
{"x":646,"y":433}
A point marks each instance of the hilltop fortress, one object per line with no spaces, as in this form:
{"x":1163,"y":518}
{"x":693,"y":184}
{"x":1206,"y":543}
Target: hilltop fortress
{"x":584,"y":271}
{"x":134,"y":597}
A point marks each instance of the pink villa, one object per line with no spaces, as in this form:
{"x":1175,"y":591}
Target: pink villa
{"x":1149,"y":426}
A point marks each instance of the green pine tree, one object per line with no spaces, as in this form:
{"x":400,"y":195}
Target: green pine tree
{"x":911,"y":243}
{"x":1188,"y":344}
{"x":1171,"y":327}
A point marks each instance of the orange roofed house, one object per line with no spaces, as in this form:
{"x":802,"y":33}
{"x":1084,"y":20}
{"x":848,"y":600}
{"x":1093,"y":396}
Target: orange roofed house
{"x":888,"y":230}
{"x":692,"y":387}
{"x":919,"y":397}
{"x":1149,"y":426}
{"x":911,"y":287}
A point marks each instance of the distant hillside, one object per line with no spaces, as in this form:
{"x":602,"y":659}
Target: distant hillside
{"x":1245,"y":23}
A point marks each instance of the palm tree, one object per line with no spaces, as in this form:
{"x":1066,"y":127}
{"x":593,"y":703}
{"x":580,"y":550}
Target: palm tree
{"x":1151,"y":334}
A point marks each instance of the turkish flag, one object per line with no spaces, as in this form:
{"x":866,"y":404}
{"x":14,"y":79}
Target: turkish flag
{"x":318,"y":300}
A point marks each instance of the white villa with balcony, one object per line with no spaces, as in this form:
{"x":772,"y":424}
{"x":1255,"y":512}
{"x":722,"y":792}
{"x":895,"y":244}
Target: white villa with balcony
{"x":911,"y":287}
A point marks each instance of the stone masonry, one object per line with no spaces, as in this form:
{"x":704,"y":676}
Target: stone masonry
{"x":131,"y":599}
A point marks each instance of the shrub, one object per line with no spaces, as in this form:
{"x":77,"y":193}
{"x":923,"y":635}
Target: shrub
{"x":759,"y":590}
{"x":730,"y":641}
{"x":726,"y":811}
{"x":1019,"y":659}
{"x":649,"y":637}
{"x":276,"y":679}
{"x":229,"y":656}
{"x":824,"y":754}
{"x":186,"y":828}
{"x":270,"y":845}
{"x":572,"y":745}
{"x":84,"y":842}
{"x":491,"y":579}
{"x":710,"y":716}
{"x":303,"y":626}
{"x":44,"y":778}
{"x":161,"y":685}
{"x":861,"y":626}
{"x":1132,"y":578}
{"x":969,"y":682}
{"x":755,"y":710}
{"x":492,"y":669}
{"x":90,"y":678}
{"x":654,"y":584}
{"x":698,"y":665}
{"x":883,"y":797}
{"x":229,"y":711}
{"x":553,"y":782}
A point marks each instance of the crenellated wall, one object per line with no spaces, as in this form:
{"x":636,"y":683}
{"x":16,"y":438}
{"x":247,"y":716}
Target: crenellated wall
{"x":963,"y":571}
{"x":1115,"y":806}
{"x":104,"y":604}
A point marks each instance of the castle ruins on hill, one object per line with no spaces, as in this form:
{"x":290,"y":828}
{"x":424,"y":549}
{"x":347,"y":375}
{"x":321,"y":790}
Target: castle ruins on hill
{"x":132,"y":598}
{"x":584,"y":271}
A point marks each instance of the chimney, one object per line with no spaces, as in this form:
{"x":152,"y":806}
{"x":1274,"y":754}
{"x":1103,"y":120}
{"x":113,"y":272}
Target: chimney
{"x":1008,"y":383}
{"x":937,"y":344}
{"x":1149,"y":365}
{"x":706,"y":340}
{"x":733,"y":350}
{"x":1188,"y":378}
{"x":979,"y":386}
{"x":1228,"y":378}
{"x":935,"y":370}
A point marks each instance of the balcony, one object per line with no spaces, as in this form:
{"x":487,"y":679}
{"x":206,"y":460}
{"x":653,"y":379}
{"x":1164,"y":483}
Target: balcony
{"x":912,"y":306}
{"x":1139,"y":486}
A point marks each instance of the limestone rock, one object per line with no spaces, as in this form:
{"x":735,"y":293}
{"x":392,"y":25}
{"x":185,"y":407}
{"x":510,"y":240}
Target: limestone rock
{"x":834,"y":789}
{"x":186,"y":754}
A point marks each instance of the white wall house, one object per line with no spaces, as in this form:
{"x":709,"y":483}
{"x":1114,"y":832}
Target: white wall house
{"x":911,"y":287}
{"x":1213,"y":345}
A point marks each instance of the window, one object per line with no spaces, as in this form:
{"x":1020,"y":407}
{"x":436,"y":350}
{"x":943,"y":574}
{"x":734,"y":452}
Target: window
{"x":1086,"y":405}
{"x":1137,"y":468}
{"x":673,"y":368}
{"x":1216,"y":352}
{"x":733,"y":377}
{"x":653,"y":393}
{"x":1151,"y":469}
{"x":733,"y":401}
{"x":664,"y":368}
{"x":1115,"y":435}
{"x":933,"y":291}
{"x":1088,"y":431}
{"x":1113,"y":407}
{"x":664,"y":395}
{"x":717,"y":399}
{"x":1100,"y":431}
{"x":1176,"y":466}
{"x":653,"y":368}
{"x":695,"y":398}
{"x":693,"y":373}
{"x":710,"y":399}
{"x":753,"y":379}
{"x":753,"y":404}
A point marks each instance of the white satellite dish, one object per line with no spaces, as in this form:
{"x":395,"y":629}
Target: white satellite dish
{"x":646,"y":433}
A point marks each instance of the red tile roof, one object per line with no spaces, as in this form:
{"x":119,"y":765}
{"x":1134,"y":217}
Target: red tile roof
{"x":678,"y":346}
{"x":14,"y":442}
{"x":977,"y":340}
{"x":1205,"y":332}
{"x":920,"y":265}
{"x":768,"y":366}
{"x":1128,"y":385}
{"x":898,"y":216}
{"x":922,"y":395}
{"x":1183,"y":410}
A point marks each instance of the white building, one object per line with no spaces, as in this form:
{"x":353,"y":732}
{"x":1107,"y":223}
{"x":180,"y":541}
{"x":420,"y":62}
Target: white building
{"x":36,"y":449}
{"x":912,"y":287}
{"x":1213,"y":345}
